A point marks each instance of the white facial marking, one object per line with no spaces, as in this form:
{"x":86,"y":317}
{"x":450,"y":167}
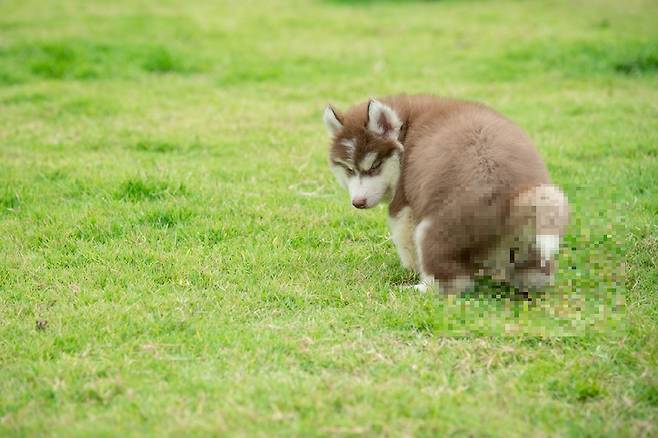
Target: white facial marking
{"x":349,"y":145}
{"x":373,"y":188}
{"x":331,"y":122}
{"x":340,"y":174}
{"x":355,"y":187}
{"x":368,"y":161}
{"x":364,"y":187}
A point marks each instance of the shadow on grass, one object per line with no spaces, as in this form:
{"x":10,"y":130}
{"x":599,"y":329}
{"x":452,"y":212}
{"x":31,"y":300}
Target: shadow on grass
{"x":488,"y":289}
{"x":485,"y":289}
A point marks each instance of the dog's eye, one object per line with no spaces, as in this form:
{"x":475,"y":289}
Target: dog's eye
{"x":374,"y":167}
{"x":349,"y":171}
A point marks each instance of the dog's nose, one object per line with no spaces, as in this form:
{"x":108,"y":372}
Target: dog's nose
{"x":359,"y":202}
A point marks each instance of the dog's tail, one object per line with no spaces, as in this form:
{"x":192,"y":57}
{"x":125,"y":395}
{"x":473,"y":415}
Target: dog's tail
{"x":543,"y":211}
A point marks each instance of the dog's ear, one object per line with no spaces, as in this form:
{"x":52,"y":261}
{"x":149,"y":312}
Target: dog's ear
{"x":332,"y":120}
{"x":383,"y":120}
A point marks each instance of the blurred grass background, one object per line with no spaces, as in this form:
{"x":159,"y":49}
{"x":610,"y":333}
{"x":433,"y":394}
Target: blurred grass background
{"x":168,"y":217}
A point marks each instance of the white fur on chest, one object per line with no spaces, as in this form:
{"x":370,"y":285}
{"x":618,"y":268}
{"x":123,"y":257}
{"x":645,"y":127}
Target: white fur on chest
{"x":402,"y":228}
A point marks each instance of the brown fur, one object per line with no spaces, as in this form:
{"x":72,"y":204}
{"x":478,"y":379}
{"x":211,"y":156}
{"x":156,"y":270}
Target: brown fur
{"x":354,"y":128}
{"x":464,"y":167}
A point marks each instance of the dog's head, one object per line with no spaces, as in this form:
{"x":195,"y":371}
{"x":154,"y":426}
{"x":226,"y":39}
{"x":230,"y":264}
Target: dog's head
{"x":366,"y":151}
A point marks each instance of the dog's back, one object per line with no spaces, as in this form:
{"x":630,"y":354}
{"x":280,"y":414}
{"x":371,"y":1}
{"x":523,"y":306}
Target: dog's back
{"x":466,"y":175}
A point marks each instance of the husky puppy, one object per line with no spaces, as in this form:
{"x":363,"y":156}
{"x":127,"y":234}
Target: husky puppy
{"x":468,"y":193}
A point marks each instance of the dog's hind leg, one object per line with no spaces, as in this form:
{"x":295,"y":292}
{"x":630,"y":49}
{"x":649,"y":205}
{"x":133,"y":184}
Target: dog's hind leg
{"x":545,"y":209}
{"x":540,"y":216}
{"x":438,"y":269}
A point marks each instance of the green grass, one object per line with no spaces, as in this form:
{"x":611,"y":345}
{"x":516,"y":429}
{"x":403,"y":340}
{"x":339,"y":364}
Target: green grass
{"x":167,"y":214}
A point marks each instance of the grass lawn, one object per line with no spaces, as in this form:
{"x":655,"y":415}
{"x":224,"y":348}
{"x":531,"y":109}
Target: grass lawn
{"x":176,"y":257}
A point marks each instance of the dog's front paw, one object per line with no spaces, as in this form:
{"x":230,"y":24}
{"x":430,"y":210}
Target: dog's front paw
{"x":422,"y":287}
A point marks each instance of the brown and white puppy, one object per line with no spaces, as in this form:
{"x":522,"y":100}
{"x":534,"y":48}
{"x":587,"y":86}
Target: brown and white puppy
{"x":468,"y":193}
